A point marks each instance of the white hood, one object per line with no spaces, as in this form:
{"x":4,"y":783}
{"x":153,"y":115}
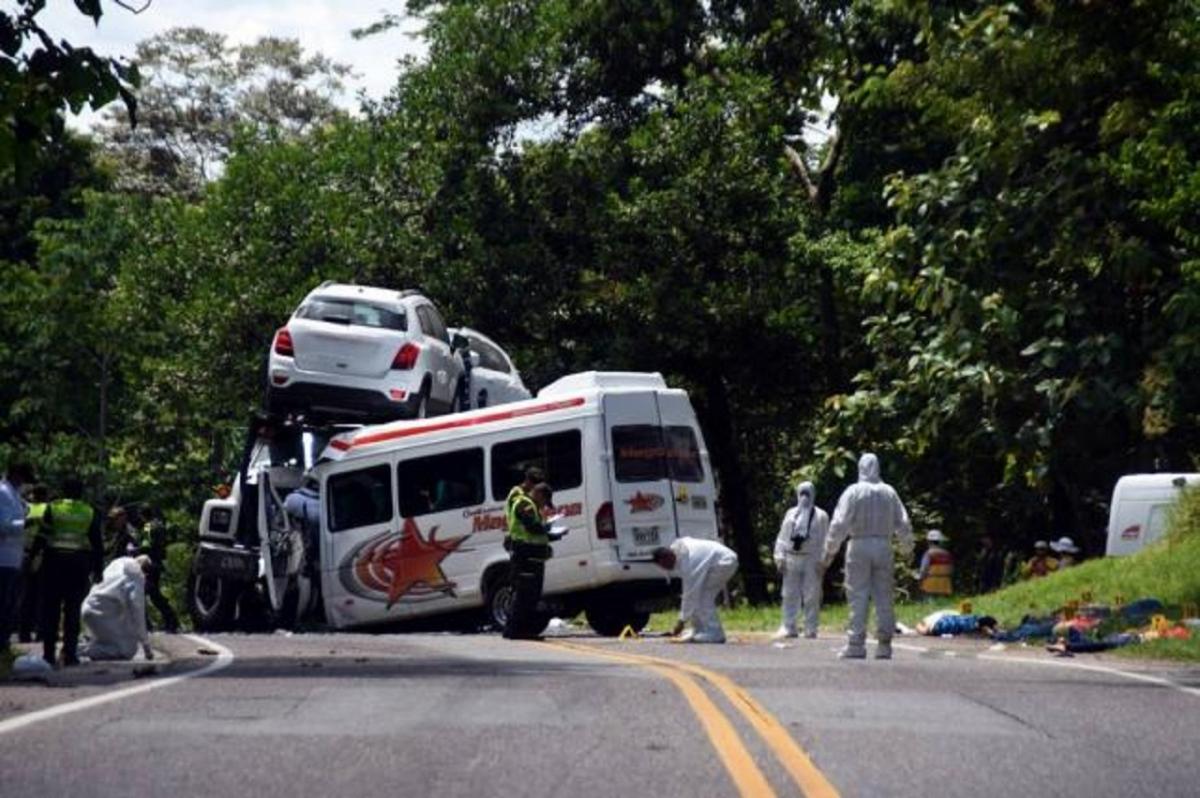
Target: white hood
{"x":868,"y":468}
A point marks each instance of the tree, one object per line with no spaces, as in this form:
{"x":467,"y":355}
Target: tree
{"x":198,"y":92}
{"x":41,"y":78}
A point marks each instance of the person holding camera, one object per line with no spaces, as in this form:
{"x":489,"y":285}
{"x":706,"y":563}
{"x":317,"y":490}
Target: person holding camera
{"x":799,"y":549}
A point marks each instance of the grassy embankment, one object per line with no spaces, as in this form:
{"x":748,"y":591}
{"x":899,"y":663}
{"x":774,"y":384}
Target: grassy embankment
{"x":1168,"y":571}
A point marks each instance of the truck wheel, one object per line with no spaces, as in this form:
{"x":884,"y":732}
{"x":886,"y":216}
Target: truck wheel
{"x":211,"y":602}
{"x":611,"y":621}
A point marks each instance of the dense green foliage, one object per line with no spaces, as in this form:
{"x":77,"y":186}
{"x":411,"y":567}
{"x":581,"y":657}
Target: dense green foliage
{"x":963,"y":235}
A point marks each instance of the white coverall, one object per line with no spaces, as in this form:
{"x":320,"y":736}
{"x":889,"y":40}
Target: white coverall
{"x":114,"y":613}
{"x":802,"y":570}
{"x":869,"y":513}
{"x":704,"y":566}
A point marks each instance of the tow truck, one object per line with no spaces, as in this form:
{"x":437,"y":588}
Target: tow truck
{"x":249,"y":571}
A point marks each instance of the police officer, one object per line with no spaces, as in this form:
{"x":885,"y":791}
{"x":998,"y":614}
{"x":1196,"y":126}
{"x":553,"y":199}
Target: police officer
{"x":154,"y":546}
{"x":70,"y":537}
{"x":529,"y":543}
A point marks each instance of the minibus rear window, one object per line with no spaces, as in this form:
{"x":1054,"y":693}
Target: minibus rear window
{"x":639,"y":453}
{"x":360,"y":498}
{"x":683,"y":455}
{"x":559,"y":455}
{"x":440,"y":482}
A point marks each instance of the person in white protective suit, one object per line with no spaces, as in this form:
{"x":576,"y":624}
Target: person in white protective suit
{"x":869,"y":513}
{"x":114,"y":612}
{"x":799,"y":556}
{"x":704,"y":567}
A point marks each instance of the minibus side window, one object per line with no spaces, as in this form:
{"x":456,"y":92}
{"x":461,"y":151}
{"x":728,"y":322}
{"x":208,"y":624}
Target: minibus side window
{"x":360,"y":498}
{"x":559,"y":455}
{"x":683,"y":455}
{"x":440,"y":482}
{"x":638,"y":453}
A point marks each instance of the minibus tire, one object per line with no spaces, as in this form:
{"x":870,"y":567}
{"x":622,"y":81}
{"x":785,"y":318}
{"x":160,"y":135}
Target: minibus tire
{"x":610,"y":622}
{"x":498,"y":597}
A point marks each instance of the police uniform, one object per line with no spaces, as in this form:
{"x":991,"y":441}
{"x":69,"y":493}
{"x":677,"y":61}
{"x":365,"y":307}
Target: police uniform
{"x":73,"y":552}
{"x":530,"y":543}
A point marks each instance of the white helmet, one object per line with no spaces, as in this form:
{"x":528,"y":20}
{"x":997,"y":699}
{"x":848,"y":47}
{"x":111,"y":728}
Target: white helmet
{"x":935,"y":536}
{"x":1065,"y":545}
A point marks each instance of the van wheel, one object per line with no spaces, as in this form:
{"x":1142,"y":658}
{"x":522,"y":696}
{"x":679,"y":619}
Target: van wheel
{"x":211,"y":602}
{"x":499,"y":601}
{"x":611,"y":621}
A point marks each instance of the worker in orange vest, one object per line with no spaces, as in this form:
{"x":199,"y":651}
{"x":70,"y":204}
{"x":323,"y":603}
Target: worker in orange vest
{"x":936,"y":573}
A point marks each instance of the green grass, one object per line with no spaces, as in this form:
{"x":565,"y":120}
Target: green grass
{"x":1168,"y":571}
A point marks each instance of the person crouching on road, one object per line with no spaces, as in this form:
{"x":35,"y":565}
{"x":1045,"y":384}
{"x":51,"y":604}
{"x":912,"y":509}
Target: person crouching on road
{"x":936,"y":573}
{"x":799,"y":549}
{"x":704,"y":568}
{"x":869,"y":512}
{"x":114,"y":612}
{"x":529,"y":543}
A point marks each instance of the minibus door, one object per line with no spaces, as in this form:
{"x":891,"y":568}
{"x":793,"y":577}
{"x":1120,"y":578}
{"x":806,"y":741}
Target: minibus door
{"x":643,"y":510}
{"x":693,"y":489}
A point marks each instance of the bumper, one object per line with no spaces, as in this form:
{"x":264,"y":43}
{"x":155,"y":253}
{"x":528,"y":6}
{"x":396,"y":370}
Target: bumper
{"x":314,"y":397}
{"x":227,"y":562}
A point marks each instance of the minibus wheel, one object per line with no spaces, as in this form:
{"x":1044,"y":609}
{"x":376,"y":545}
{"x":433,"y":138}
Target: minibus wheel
{"x":499,"y":598}
{"x":611,"y":621}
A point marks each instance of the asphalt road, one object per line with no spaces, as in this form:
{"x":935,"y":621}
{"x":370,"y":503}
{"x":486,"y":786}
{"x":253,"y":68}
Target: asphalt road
{"x":475,"y":715}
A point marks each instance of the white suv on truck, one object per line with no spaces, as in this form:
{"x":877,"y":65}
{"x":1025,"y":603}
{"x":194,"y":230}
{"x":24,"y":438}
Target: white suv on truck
{"x":357,"y":352}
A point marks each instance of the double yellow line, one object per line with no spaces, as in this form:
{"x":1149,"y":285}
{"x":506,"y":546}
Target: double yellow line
{"x":738,"y":761}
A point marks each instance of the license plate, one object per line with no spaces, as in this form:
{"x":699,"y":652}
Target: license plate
{"x":645,"y":535}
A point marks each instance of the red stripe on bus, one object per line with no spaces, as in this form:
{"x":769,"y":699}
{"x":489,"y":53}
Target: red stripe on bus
{"x":406,"y":432}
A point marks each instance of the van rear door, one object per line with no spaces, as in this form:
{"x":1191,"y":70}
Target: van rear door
{"x":643,"y":510}
{"x":693,"y":490}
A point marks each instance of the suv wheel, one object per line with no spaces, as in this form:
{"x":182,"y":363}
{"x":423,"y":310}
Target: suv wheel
{"x":422,"y":410}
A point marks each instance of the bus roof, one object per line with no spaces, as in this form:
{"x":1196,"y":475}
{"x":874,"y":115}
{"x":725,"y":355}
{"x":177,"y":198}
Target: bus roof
{"x":569,"y":397}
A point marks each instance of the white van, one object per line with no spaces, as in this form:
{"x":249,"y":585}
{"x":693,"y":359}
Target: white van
{"x":1139,"y":509}
{"x":412,"y":513}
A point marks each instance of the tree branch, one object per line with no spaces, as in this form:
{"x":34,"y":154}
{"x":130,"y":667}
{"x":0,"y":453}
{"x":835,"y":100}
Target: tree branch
{"x":131,"y":9}
{"x":800,"y":168}
{"x":828,"y":168}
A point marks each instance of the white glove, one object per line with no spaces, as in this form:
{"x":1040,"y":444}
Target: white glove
{"x":780,"y":564}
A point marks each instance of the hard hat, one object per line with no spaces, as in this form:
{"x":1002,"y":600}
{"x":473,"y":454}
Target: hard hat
{"x":935,"y":536}
{"x":1065,"y":545}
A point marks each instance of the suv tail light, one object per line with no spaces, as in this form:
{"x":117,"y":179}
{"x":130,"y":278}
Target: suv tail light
{"x":606,"y":527}
{"x":406,"y":358}
{"x":283,"y":343}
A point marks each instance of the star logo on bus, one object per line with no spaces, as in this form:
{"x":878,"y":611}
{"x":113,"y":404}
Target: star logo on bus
{"x":644,"y":502}
{"x":404,"y":563}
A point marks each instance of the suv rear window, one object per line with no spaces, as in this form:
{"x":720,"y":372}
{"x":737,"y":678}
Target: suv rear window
{"x":648,"y":453}
{"x":345,"y":311}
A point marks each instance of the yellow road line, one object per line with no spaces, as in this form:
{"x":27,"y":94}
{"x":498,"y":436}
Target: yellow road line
{"x":799,"y":765}
{"x":740,"y":765}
